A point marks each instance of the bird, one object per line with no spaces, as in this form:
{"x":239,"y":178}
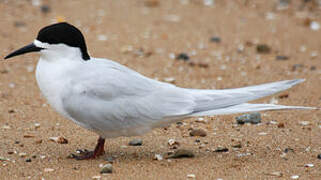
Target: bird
{"x":113,"y":100}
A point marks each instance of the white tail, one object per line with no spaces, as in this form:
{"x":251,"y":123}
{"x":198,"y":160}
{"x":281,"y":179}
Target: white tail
{"x":228,"y":101}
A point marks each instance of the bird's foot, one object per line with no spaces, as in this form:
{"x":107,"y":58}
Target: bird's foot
{"x":85,"y":154}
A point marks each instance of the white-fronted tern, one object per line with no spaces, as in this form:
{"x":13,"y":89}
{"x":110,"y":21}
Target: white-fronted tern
{"x":113,"y":100}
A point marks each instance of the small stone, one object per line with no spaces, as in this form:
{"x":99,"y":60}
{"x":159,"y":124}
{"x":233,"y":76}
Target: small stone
{"x":102,"y":37}
{"x":201,"y":120}
{"x":28,"y":160}
{"x":215,"y":39}
{"x":263,"y":49}
{"x":262,"y":133}
{"x":135,"y":142}
{"x":96,"y":177}
{"x":284,"y":95}
{"x":276,"y":173}
{"x":282,"y":58}
{"x":6,"y":127}
{"x":297,"y":67}
{"x":295,"y":177}
{"x":3,"y":159}
{"x":315,"y":26}
{"x":22,"y":154}
{"x":209,"y":2}
{"x":221,"y":149}
{"x":238,"y":145}
{"x":283,"y":4}
{"x":309,"y":165}
{"x":19,"y":24}
{"x":287,"y":150}
{"x":158,"y":157}
{"x":198,"y":132}
{"x":304,"y":123}
{"x":182,"y":56}
{"x":172,"y":142}
{"x":182,"y":153}
{"x":253,"y":118}
{"x":151,"y":3}
{"x":28,"y":136}
{"x":191,"y":176}
{"x":319,"y":156}
{"x":169,"y":79}
{"x":59,"y":140}
{"x":37,"y":125}
{"x":49,"y":170}
{"x":45,"y":9}
{"x":107,"y":168}
{"x":39,"y":141}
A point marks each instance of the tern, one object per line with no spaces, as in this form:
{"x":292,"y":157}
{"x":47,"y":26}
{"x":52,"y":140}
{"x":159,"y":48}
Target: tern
{"x":112,"y":100}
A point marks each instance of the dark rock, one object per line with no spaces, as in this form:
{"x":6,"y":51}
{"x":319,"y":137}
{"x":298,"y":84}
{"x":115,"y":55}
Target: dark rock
{"x":312,"y":68}
{"x":182,"y":56}
{"x":319,"y":156}
{"x":297,"y":67}
{"x":135,"y":142}
{"x":45,"y":9}
{"x":221,"y":149}
{"x":282,"y":58}
{"x":215,"y":39}
{"x":253,"y":118}
{"x":28,"y":160}
{"x":287,"y":150}
{"x":263,"y":49}
{"x":182,"y":153}
{"x":19,"y":24}
{"x":198,"y":132}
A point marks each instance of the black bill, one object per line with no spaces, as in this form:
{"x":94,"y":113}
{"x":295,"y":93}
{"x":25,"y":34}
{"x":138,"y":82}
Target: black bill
{"x":29,"y":48}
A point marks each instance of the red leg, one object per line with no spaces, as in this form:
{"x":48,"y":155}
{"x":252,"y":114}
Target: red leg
{"x":99,"y":150}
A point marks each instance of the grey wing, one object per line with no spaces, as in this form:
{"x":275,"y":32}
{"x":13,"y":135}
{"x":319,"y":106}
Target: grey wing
{"x":119,"y":102}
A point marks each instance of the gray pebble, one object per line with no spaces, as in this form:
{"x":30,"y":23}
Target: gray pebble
{"x":107,"y":168}
{"x":263,"y":49}
{"x":198,"y":132}
{"x":215,"y":39}
{"x":282,"y":58}
{"x":135,"y":142}
{"x":182,"y":153}
{"x":253,"y":118}
{"x":221,"y":149}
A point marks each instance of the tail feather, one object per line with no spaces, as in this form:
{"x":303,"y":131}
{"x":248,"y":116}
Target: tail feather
{"x":226,"y":101}
{"x":246,"y":107}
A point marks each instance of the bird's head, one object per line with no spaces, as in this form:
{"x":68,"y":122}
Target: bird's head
{"x":55,"y":39}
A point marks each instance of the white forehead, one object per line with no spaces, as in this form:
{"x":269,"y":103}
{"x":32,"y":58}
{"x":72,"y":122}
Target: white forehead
{"x":40,"y":44}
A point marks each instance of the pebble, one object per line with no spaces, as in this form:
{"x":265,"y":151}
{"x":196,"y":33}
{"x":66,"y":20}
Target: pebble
{"x":6,"y":127}
{"x":209,"y":2}
{"x":253,"y":118}
{"x":309,"y":165}
{"x":191,"y":176}
{"x":22,"y":154}
{"x":201,"y":120}
{"x":182,"y":56}
{"x":215,"y":39}
{"x":96,"y":177}
{"x":182,"y":153}
{"x":198,"y":132}
{"x":221,"y":149}
{"x":49,"y":170}
{"x":172,"y":142}
{"x":135,"y":142}
{"x":295,"y":177}
{"x":102,"y":37}
{"x":59,"y":140}
{"x":282,"y":58}
{"x":28,"y":160}
{"x":107,"y":168}
{"x":315,"y":26}
{"x":158,"y":157}
{"x":319,"y":156}
{"x":151,"y":3}
{"x":276,"y":173}
{"x":262,"y":133}
{"x":45,"y":9}
{"x":263,"y":49}
{"x":304,"y":123}
{"x":169,"y":79}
